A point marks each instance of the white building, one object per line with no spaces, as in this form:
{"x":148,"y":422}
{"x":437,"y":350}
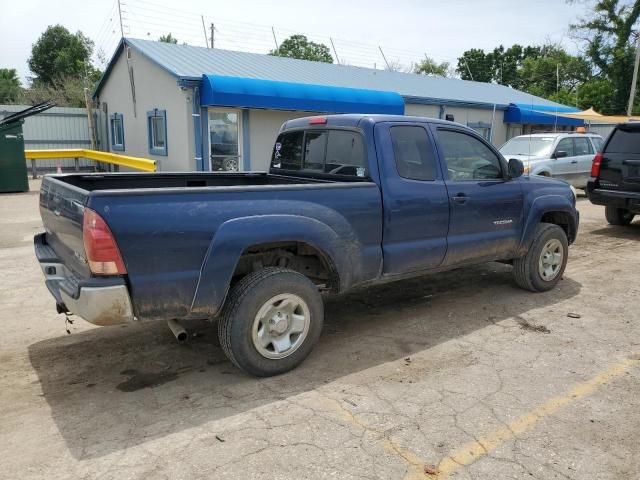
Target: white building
{"x":193,"y":108}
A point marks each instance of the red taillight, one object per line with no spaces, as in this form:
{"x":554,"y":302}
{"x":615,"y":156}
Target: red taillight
{"x":595,"y":166}
{"x":318,"y":121}
{"x":100,"y":247}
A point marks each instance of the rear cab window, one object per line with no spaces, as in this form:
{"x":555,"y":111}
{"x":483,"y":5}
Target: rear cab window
{"x":326,"y":151}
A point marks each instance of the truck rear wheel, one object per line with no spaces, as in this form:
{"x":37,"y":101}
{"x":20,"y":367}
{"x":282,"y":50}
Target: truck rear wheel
{"x":618,"y":216}
{"x":543,"y":265}
{"x":271,"y":322}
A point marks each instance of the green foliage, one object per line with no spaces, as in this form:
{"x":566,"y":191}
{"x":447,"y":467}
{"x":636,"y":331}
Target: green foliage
{"x":609,"y":38}
{"x":168,"y":38}
{"x":9,"y":85}
{"x":298,"y":46}
{"x":428,"y":66}
{"x":59,"y":53}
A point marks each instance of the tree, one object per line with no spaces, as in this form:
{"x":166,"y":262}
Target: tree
{"x":609,"y":38}
{"x":298,"y":46}
{"x":9,"y":85}
{"x":475,"y":65}
{"x":59,"y":53}
{"x":428,"y":66}
{"x":66,"y":91}
{"x":168,"y":38}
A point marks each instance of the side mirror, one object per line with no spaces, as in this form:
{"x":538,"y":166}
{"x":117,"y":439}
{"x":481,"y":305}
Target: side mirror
{"x":560,"y":154}
{"x":516,"y":168}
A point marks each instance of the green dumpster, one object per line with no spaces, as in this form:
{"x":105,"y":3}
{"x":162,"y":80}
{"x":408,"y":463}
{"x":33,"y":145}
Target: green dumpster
{"x":13,"y":166}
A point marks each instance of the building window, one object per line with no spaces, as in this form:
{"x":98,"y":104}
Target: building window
{"x":157,"y":131}
{"x":117,"y":132}
{"x":482,"y":128}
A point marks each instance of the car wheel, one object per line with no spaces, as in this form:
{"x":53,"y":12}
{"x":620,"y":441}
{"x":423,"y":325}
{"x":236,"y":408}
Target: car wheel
{"x":543,"y":265}
{"x":230,"y":164}
{"x":618,"y":216}
{"x":271,"y":322}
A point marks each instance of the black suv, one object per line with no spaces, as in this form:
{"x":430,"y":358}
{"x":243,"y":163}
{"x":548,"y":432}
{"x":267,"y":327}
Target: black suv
{"x":615,"y":175}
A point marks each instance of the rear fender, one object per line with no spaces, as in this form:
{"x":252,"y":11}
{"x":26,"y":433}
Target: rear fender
{"x":237,"y":235}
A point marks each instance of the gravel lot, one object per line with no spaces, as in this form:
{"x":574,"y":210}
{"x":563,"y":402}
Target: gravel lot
{"x":458,"y":375}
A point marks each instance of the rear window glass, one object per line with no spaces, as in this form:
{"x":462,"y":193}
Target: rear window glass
{"x":337,"y":152}
{"x":623,"y":141}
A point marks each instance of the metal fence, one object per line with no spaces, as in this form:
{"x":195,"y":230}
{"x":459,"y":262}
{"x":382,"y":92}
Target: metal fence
{"x":63,"y":128}
{"x":602,"y":129}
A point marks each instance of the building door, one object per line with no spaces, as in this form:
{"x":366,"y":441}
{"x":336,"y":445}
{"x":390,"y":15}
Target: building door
{"x":225,"y":140}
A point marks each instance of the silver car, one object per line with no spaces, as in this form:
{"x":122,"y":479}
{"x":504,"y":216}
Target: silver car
{"x":566,"y":156}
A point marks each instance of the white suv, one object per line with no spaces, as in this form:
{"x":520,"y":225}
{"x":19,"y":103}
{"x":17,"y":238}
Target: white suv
{"x":566,"y":156}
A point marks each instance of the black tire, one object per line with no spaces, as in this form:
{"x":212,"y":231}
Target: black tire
{"x":618,"y":216}
{"x":248,"y":296}
{"x":525,"y":269}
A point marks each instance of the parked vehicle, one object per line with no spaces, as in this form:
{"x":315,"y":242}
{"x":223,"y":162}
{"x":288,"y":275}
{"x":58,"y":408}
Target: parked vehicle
{"x":615,"y":175}
{"x":350,"y":200}
{"x":566,"y":156}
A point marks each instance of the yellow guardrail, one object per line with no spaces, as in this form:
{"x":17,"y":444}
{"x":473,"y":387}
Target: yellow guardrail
{"x":137,"y":163}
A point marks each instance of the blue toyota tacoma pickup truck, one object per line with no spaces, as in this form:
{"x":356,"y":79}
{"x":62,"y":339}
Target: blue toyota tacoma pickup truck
{"x":349,"y":200}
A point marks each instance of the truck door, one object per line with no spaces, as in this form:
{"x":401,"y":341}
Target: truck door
{"x":486,"y":206}
{"x":415,"y":201}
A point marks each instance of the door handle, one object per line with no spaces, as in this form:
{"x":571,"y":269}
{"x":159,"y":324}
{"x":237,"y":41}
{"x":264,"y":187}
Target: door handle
{"x":574,"y":161}
{"x":460,"y":198}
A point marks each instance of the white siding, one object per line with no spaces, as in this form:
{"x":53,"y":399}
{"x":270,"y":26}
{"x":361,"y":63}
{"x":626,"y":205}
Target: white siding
{"x":154,"y":88}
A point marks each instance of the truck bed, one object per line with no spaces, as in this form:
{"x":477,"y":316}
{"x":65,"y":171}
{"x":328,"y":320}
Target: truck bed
{"x":127,"y":181}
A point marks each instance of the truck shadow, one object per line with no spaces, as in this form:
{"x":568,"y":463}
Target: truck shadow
{"x":111,"y":388}
{"x":629,"y":232}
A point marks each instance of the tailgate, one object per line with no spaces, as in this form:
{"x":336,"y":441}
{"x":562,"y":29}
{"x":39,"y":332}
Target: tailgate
{"x":62,"y":210}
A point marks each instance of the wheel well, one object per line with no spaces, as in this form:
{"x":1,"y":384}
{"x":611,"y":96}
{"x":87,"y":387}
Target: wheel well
{"x":298,"y":256}
{"x":544,"y":174}
{"x":563,"y":220}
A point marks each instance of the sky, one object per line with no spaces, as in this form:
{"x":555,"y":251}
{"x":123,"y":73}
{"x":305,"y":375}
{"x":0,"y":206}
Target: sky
{"x":404,"y":29}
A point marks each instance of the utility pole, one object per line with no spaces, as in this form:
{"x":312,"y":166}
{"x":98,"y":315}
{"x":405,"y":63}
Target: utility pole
{"x":275,"y":40}
{"x":120,"y":15}
{"x":213,"y":38}
{"x":468,"y":69}
{"x":334,"y":50}
{"x":204,"y":30}
{"x":384,"y":58}
{"x":557,"y":77}
{"x":632,"y":93}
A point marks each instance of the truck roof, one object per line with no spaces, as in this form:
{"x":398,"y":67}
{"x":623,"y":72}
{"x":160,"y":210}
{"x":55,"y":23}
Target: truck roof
{"x":355,"y":119}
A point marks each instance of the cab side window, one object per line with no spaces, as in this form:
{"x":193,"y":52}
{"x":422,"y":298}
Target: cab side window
{"x":566,"y":145}
{"x":467,"y":158}
{"x":413,"y":151}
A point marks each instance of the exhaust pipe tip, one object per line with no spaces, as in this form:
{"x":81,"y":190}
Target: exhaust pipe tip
{"x":178,"y":331}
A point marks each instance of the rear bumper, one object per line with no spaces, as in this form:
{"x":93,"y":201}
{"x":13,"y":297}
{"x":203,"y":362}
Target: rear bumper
{"x":615,"y":198}
{"x":101,"y":301}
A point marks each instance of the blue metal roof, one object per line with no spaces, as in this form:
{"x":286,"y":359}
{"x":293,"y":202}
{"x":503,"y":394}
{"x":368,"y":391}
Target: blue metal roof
{"x":254,"y":93}
{"x":537,"y":114}
{"x":190,"y":63}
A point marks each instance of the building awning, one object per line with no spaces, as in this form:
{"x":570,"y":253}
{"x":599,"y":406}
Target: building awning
{"x":540,"y":115}
{"x":268,"y":94}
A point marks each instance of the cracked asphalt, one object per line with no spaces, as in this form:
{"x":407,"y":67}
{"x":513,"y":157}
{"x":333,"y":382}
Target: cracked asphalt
{"x":456,"y":375}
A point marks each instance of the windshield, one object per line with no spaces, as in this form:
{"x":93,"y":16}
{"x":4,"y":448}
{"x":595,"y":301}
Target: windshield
{"x":531,"y":146}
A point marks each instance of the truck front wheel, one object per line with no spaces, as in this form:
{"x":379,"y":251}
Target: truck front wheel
{"x":543,"y":265}
{"x":271,"y":321}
